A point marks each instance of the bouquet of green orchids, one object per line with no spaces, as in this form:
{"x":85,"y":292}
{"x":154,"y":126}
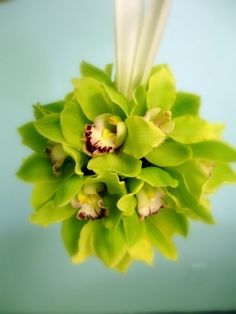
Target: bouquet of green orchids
{"x":123,"y":176}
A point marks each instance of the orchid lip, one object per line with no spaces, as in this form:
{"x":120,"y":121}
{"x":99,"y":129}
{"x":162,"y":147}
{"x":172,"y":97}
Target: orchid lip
{"x":94,"y":145}
{"x":57,"y":157}
{"x":83,"y":215}
{"x":90,"y":206}
{"x":148,"y":211}
{"x":162,"y":119}
{"x":105,"y":135}
{"x":150,"y":201}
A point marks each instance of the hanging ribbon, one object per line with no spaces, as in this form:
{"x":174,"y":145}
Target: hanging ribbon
{"x":139,"y":26}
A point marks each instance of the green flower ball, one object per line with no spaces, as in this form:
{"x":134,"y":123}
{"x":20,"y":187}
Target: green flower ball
{"x":123,"y":176}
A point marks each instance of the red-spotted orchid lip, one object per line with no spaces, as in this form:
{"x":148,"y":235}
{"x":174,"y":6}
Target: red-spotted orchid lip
{"x":89,"y":204}
{"x":150,"y":201}
{"x":105,"y":135}
{"x":57,"y":157}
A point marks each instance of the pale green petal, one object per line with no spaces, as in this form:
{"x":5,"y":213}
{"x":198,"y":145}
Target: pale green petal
{"x":109,"y":69}
{"x":187,"y":204}
{"x":192,"y":129}
{"x":170,"y":222}
{"x":90,"y":70}
{"x":50,"y":127}
{"x":185,"y":104}
{"x":31,"y":138}
{"x":120,"y":163}
{"x":169,"y":154}
{"x":70,"y":231}
{"x":127,"y":204}
{"x":67,"y":190}
{"x":124,"y":264}
{"x":133,"y":228}
{"x":157,"y":177}
{"x":194,"y":177}
{"x":91,"y":97}
{"x":73,"y":123}
{"x":42,"y":110}
{"x":139,"y":106}
{"x":161,"y":90}
{"x":214,"y":150}
{"x":134,"y":185}
{"x":109,"y":245}
{"x":42,"y":192}
{"x":114,"y":214}
{"x":36,"y":169}
{"x":79,"y":158}
{"x":112,"y":181}
{"x":116,"y":99}
{"x":221,"y":174}
{"x":85,"y":243}
{"x":161,"y":241}
{"x":142,"y":251}
{"x":49,"y":214}
{"x":142,"y":137}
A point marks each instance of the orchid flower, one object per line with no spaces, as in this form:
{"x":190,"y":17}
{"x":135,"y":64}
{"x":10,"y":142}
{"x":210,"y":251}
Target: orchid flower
{"x":57,"y":156}
{"x":89,"y":203}
{"x":149,"y":201}
{"x":125,"y":161}
{"x":123,"y":175}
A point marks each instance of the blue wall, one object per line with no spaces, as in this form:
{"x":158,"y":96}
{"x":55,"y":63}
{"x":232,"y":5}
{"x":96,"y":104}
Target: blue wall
{"x":41,"y":46}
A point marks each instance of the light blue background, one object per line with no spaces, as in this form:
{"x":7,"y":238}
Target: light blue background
{"x":41,"y":46}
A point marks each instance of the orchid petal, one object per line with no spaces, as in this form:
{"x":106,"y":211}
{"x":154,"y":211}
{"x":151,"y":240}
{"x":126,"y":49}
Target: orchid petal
{"x":161,"y":91}
{"x":48,"y":214}
{"x":89,"y":70}
{"x":36,"y":169}
{"x":31,"y":138}
{"x":192,"y":129}
{"x":157,"y":177}
{"x":73,"y":123}
{"x":49,"y":126}
{"x":70,"y":231}
{"x":67,"y":190}
{"x":119,"y":163}
{"x":142,"y":137}
{"x":169,"y":154}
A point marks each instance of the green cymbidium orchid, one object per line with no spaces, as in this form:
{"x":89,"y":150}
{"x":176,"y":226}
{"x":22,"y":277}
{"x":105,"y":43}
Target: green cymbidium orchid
{"x":162,"y":119}
{"x":89,"y":202}
{"x":57,"y":156}
{"x":123,"y":175}
{"x":104,"y":136}
{"x":149,"y":200}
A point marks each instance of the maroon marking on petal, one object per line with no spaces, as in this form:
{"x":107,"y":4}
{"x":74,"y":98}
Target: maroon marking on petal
{"x":48,"y":151}
{"x":81,"y":215}
{"x":96,"y":147}
{"x":89,"y":146}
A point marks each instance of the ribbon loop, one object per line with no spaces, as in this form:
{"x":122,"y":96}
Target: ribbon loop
{"x":139,"y":26}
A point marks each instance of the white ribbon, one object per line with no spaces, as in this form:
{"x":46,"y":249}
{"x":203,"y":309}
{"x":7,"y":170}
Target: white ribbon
{"x":139,"y":25}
